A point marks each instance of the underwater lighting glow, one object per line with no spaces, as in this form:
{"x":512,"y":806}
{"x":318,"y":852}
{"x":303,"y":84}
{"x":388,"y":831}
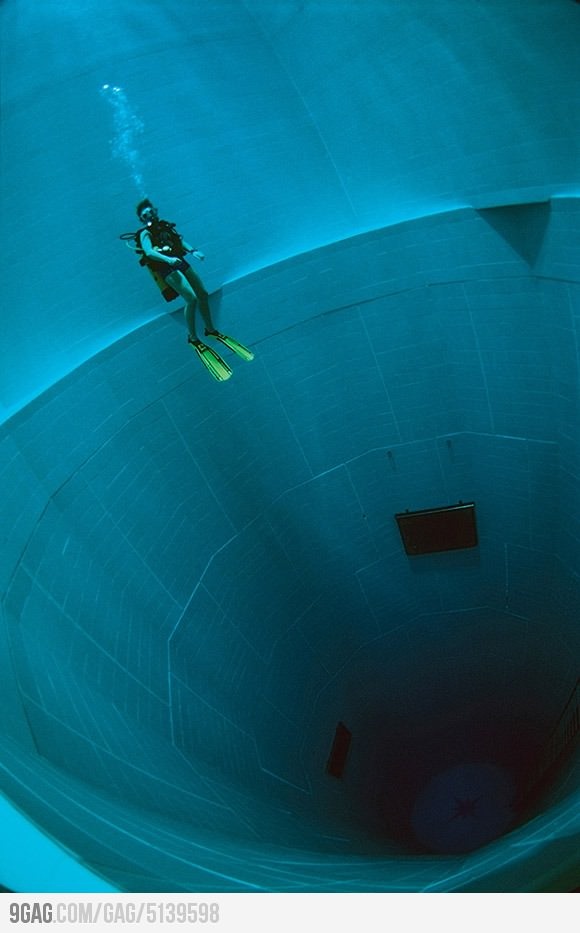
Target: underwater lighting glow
{"x":36,"y":863}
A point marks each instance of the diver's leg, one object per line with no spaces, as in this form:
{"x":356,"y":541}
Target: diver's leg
{"x":182,"y":287}
{"x":202,"y":297}
{"x":189,"y":313}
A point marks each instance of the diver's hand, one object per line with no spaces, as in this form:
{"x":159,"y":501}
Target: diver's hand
{"x":170,"y":260}
{"x":198,"y":254}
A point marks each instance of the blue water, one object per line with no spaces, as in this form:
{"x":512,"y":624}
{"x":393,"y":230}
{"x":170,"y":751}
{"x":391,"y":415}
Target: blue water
{"x":200,"y":580}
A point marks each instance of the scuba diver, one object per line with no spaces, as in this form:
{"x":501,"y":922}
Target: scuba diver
{"x":162,"y":250}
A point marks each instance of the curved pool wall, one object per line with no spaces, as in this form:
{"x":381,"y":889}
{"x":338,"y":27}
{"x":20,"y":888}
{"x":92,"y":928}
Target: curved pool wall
{"x":201,"y":580}
{"x":264,"y":130}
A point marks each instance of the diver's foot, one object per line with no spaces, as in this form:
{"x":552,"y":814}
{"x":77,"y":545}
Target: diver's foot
{"x":195,"y":341}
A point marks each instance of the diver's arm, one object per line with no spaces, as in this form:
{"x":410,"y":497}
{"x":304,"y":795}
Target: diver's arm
{"x":192,"y":249}
{"x":156,"y":254}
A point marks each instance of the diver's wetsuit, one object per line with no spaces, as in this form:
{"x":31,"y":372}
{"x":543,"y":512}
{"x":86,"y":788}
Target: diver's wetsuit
{"x":164,"y":234}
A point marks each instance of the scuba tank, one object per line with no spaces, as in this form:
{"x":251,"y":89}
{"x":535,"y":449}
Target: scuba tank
{"x":165,"y":235}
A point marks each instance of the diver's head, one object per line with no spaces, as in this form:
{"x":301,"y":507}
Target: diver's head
{"x":146,"y":212}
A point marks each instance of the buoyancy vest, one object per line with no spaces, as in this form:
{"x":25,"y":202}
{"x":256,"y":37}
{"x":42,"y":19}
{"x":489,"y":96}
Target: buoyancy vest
{"x":163,"y":234}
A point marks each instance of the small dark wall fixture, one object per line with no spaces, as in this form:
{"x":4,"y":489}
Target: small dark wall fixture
{"x":446,"y":528}
{"x":339,"y":751}
{"x":521,"y":226}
